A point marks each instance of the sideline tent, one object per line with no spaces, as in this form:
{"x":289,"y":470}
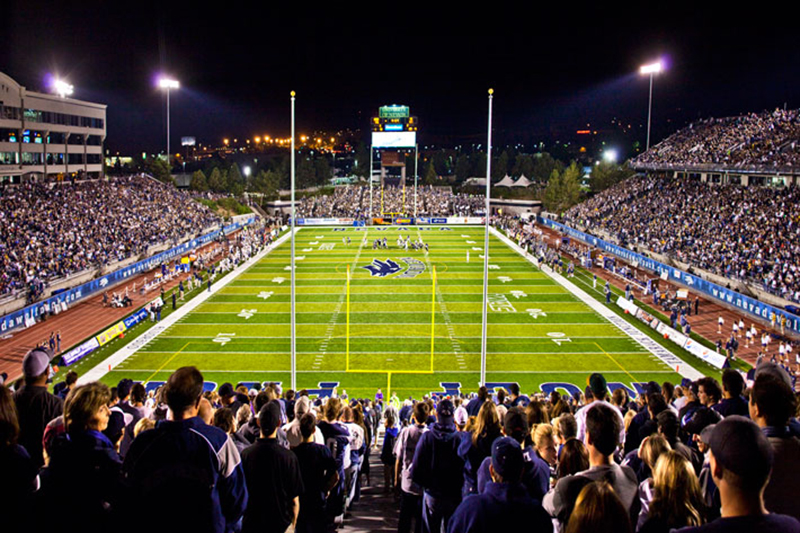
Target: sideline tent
{"x":505,"y":182}
{"x":522,"y":182}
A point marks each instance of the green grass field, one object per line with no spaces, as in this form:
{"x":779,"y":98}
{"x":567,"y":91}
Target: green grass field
{"x":538,"y":332}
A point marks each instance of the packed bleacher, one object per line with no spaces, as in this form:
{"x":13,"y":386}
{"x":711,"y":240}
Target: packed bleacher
{"x":766,"y":140}
{"x":744,"y":233}
{"x":51,"y":231}
{"x":700,"y":455}
{"x":353,"y":201}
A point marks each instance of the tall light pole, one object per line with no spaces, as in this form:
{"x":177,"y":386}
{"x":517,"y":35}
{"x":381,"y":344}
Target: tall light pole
{"x":294,"y":340}
{"x":167,"y":84}
{"x":650,"y":70}
{"x":487,"y":214}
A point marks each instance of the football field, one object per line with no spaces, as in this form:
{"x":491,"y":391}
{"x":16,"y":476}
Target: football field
{"x":408,"y":321}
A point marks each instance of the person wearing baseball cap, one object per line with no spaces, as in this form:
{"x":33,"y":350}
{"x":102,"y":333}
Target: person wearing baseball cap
{"x":741,"y":459}
{"x":599,"y":394}
{"x":505,"y":503}
{"x":35,"y":405}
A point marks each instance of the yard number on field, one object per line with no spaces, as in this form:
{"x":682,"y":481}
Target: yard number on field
{"x":223,"y":338}
{"x":536,"y":313}
{"x":519,"y":294}
{"x":246,"y":313}
{"x":265,"y":294}
{"x":504,"y":279}
{"x":558,"y":337}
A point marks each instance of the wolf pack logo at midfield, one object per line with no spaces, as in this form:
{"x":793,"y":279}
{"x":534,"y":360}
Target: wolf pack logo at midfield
{"x":381,"y":269}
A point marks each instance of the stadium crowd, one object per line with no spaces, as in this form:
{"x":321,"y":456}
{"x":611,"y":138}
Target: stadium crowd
{"x":755,"y":140}
{"x":750,"y":234}
{"x":353,"y":201}
{"x":699,"y":456}
{"x":52,"y":231}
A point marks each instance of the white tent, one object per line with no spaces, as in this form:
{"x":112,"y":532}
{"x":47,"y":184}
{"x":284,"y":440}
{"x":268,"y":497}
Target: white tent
{"x":508,"y":181}
{"x":522,"y":182}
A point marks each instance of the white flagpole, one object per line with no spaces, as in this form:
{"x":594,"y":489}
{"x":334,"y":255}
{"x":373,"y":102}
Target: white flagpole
{"x":293,"y":354}
{"x":486,"y":243}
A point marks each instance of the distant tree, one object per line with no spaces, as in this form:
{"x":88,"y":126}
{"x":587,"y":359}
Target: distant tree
{"x":563,"y":189}
{"x":305,"y":174}
{"x":523,"y":166}
{"x":159,"y":169}
{"x":477,"y":164}
{"x":462,"y":168}
{"x":266,"y":183}
{"x":500,"y":166}
{"x":215,"y":180}
{"x":322,"y":171}
{"x":543,"y":166}
{"x":430,"y":174}
{"x":605,"y":175}
{"x":362,"y":161}
{"x":199,"y":182}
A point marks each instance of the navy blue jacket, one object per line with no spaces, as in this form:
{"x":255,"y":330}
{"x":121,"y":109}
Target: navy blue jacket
{"x":437,"y":466}
{"x":501,"y":507}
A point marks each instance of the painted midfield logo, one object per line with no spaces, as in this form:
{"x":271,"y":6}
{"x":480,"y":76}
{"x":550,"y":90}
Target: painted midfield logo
{"x":381,"y":269}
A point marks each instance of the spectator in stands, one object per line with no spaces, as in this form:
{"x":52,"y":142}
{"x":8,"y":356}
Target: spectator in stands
{"x":35,"y":405}
{"x":741,"y":459}
{"x":62,"y":389}
{"x":651,"y":449}
{"x":572,"y":458}
{"x":474,"y":405}
{"x":599,"y":392}
{"x":517,"y":399}
{"x":732,"y":401}
{"x":668,"y":427}
{"x":505,"y":503}
{"x":83,"y":476}
{"x":772,"y":403}
{"x":337,"y":438}
{"x":181,"y":458}
{"x":475,"y":447}
{"x":293,"y":431}
{"x":274,"y":481}
{"x":677,"y":500}
{"x":411,"y":493}
{"x":318,"y":471}
{"x":20,"y":473}
{"x":438,"y":469}
{"x":598,"y":509}
{"x":709,"y":392}
{"x":602,"y":439}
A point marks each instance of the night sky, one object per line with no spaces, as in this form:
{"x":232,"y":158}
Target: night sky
{"x":553,"y":69}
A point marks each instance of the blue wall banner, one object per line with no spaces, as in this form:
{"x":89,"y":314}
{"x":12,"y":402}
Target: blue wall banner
{"x":18,"y":318}
{"x":740,"y":301}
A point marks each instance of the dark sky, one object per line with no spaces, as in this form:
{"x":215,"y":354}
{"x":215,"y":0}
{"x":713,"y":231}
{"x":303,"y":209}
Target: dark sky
{"x":553,"y":69}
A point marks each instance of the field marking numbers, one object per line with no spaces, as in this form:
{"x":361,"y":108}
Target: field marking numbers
{"x":536,"y":313}
{"x":504,"y":279}
{"x":558,"y":337}
{"x":327,"y":246}
{"x":279,"y":279}
{"x":223,"y":338}
{"x":500,"y":303}
{"x":265,"y":294}
{"x":247,"y":313}
{"x":518,"y":294}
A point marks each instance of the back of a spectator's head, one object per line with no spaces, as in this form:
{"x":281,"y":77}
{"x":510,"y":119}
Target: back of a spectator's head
{"x":598,"y":509}
{"x":668,"y":425}
{"x":732,"y":382}
{"x":513,"y":388}
{"x":124,"y":388}
{"x":668,"y":390}
{"x":138,"y":393}
{"x":71,"y":378}
{"x":619,"y":397}
{"x":225,"y":420}
{"x":269,"y":418}
{"x":301,"y":406}
{"x":507,"y":459}
{"x":184,"y":389}
{"x":308,"y":425}
{"x":483,"y":392}
{"x":602,"y":429}
{"x":598,"y":386}
{"x":651,"y":449}
{"x":772,"y":401}
{"x":9,"y":423}
{"x":515,"y":424}
{"x":656,"y":403}
{"x":741,"y":454}
{"x":36,"y":364}
{"x":332,"y":409}
{"x":567,"y":426}
{"x":573,"y":457}
{"x":421,"y":412}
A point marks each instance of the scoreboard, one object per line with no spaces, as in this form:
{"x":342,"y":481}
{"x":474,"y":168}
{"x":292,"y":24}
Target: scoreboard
{"x":394,"y":127}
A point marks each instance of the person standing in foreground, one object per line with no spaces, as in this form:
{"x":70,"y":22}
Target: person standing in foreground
{"x":274,"y":483}
{"x":187,"y":464}
{"x":741,"y":460}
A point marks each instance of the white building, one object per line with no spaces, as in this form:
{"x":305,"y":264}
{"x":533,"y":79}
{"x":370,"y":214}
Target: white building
{"x":46,"y":137}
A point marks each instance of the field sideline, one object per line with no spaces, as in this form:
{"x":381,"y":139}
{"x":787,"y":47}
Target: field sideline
{"x":406,"y":333}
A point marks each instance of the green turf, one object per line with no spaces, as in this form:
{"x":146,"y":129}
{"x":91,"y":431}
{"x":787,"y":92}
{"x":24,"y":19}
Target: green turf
{"x":537,"y":331}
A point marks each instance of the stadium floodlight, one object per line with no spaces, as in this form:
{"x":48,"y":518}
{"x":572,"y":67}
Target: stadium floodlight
{"x":62,"y":88}
{"x":650,"y":70}
{"x":610,"y":156}
{"x":168,"y":84}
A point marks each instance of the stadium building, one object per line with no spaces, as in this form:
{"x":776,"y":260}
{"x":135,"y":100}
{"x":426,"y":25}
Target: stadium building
{"x":47,"y":137}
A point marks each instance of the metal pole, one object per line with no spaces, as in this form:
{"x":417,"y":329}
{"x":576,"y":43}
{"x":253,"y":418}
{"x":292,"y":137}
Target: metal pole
{"x":486,"y":243}
{"x":168,"y":126}
{"x":416,"y":164}
{"x":294,"y":354}
{"x":649,"y":111}
{"x":371,"y":150}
